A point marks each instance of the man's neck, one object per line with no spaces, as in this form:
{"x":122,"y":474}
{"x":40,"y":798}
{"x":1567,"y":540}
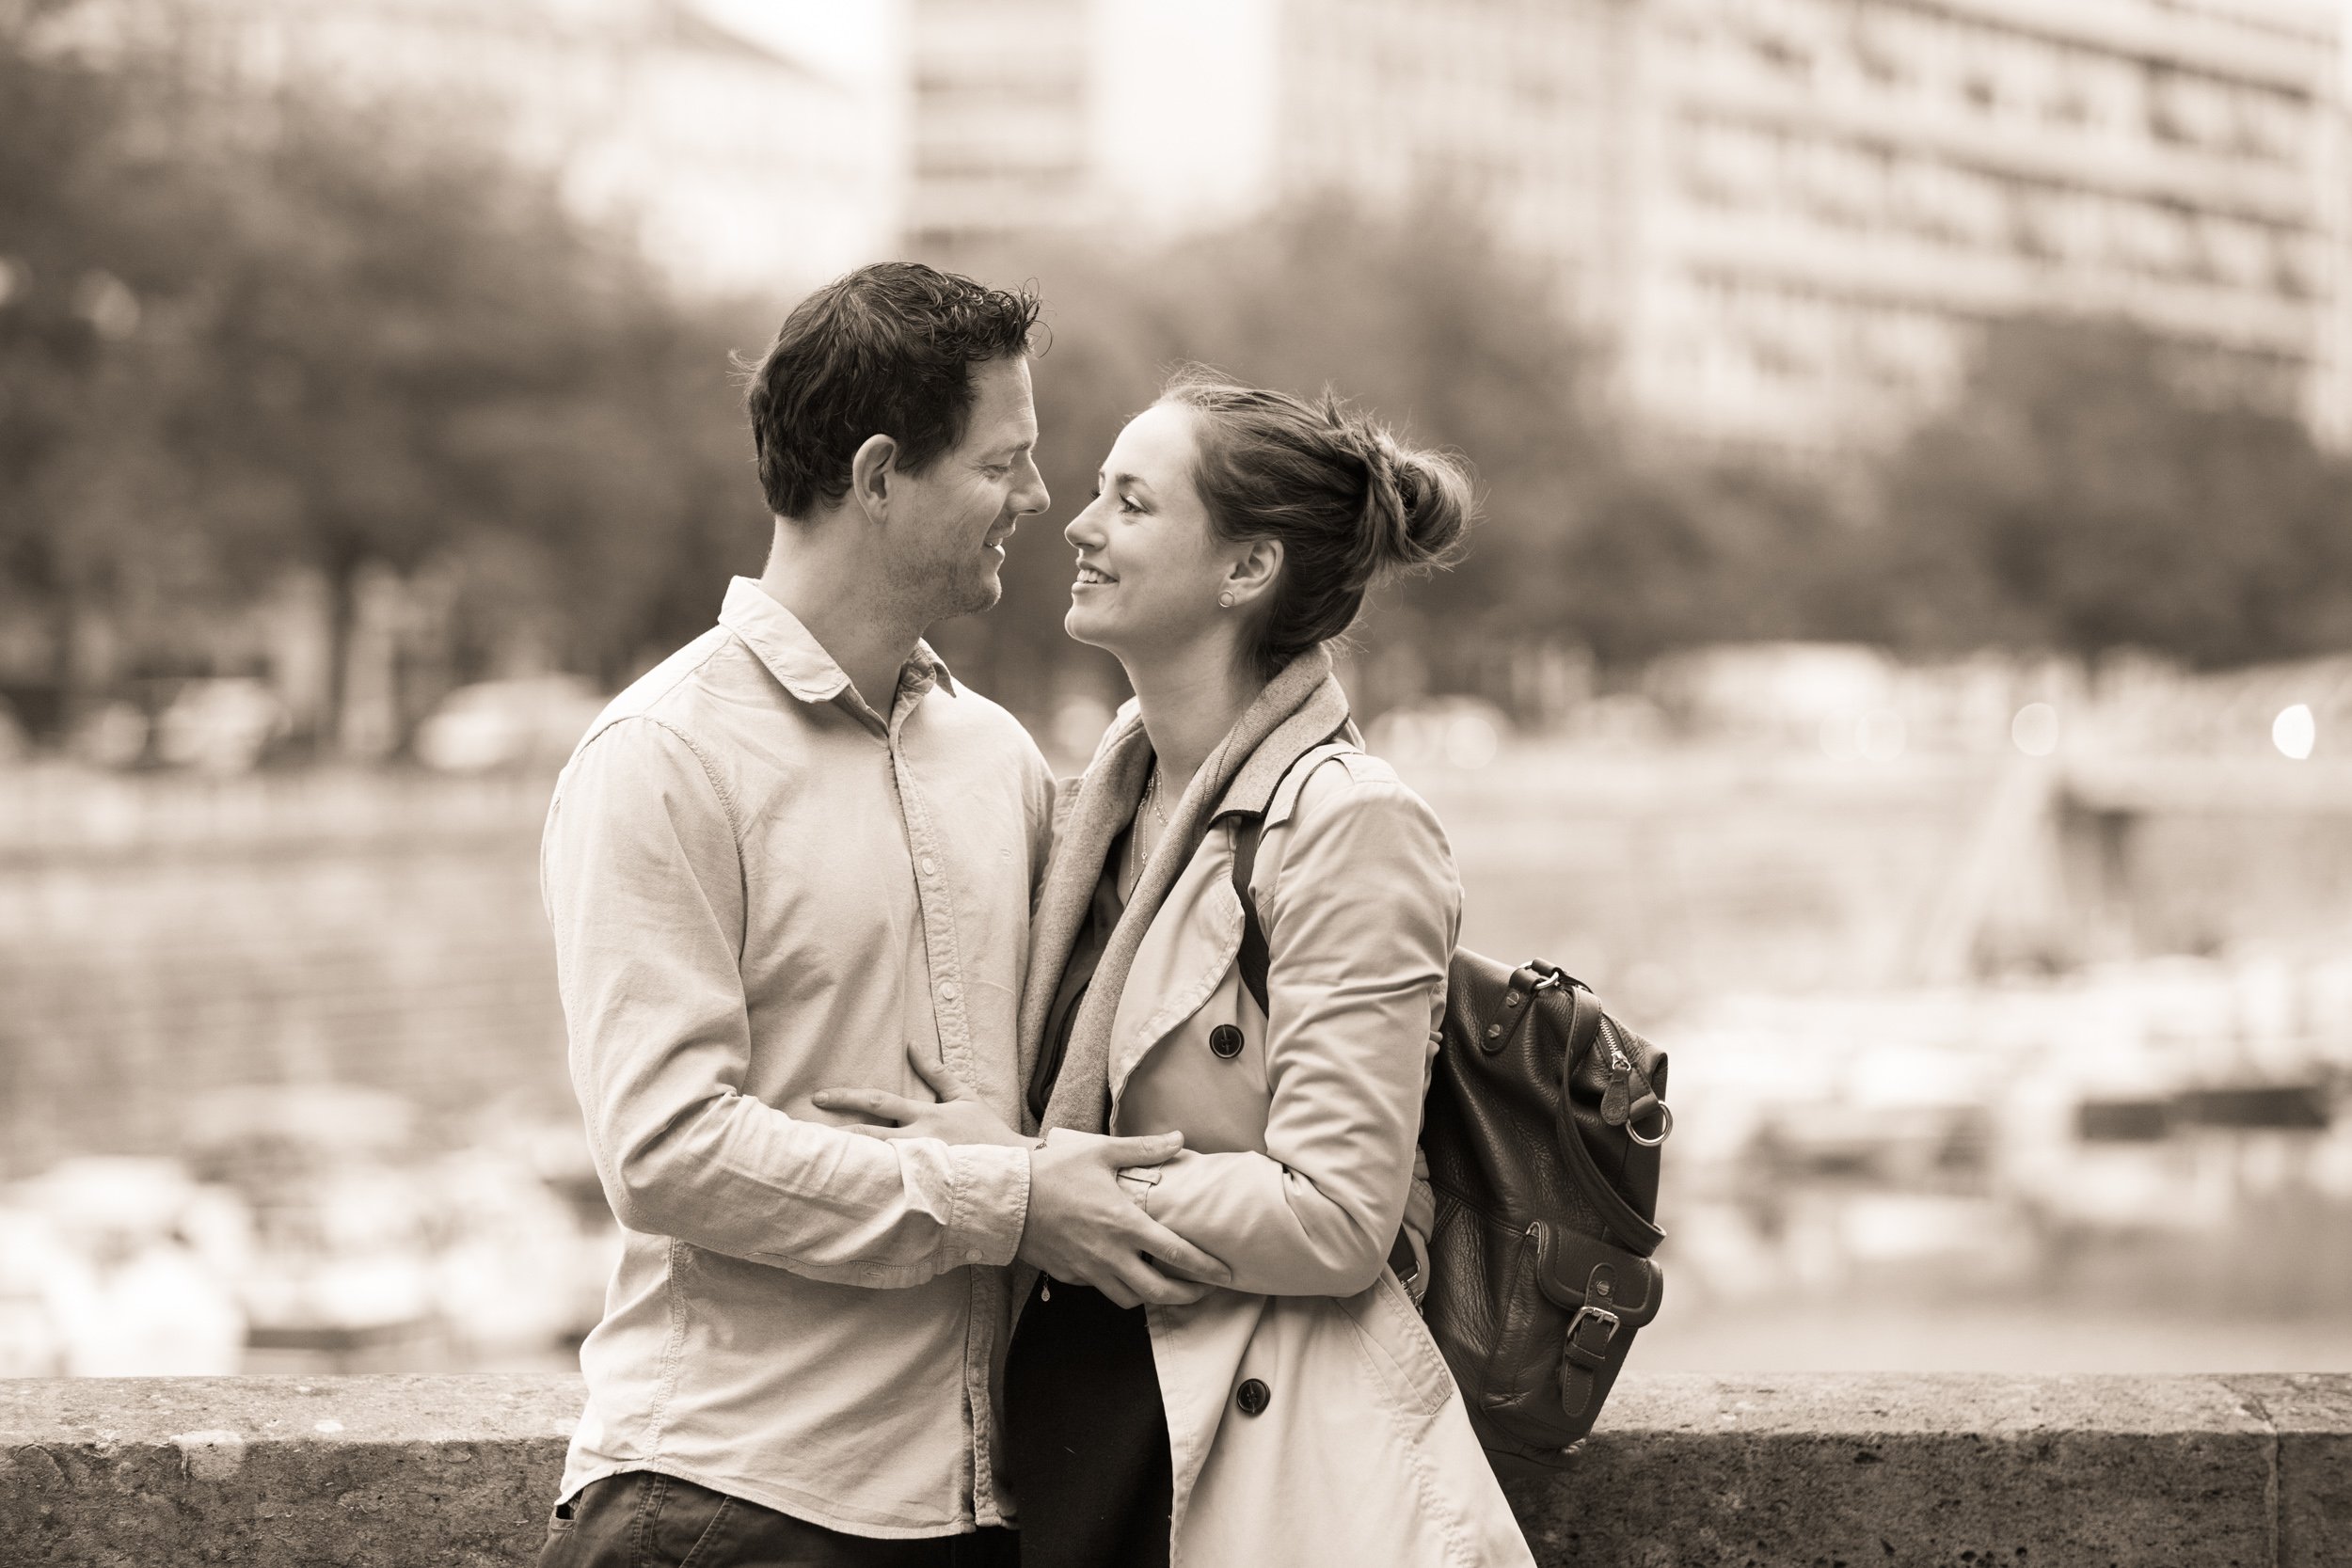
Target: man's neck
{"x":834,"y":590}
{"x":1189,"y":700}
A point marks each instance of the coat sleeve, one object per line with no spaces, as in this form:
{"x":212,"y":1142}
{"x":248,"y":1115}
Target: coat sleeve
{"x":1360,"y":928}
{"x":644,"y":883}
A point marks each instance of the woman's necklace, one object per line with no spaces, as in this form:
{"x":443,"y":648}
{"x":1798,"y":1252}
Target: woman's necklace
{"x":1145,"y":835}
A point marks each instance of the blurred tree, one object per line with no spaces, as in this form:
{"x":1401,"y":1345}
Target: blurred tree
{"x":2095,"y":488}
{"x":241,"y":335}
{"x":1682,"y":550}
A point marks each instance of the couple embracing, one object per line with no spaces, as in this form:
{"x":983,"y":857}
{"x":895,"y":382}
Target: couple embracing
{"x":964,"y":1183}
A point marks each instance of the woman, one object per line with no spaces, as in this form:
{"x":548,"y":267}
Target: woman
{"x":1302,"y":1415}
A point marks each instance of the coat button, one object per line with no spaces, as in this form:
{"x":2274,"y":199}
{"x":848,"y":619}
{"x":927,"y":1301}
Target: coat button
{"x":1253,"y":1397}
{"x":1225,"y":1040}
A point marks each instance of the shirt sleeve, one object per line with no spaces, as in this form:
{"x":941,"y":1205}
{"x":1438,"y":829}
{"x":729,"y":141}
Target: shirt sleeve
{"x":1363,"y":917}
{"x":643,"y":881}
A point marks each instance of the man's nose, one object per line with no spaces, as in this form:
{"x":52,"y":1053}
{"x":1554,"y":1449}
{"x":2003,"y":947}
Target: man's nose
{"x":1032,"y":497}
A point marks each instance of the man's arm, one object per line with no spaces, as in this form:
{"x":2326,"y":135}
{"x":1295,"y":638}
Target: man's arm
{"x":643,"y":876}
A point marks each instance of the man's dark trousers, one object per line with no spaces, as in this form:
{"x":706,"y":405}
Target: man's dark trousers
{"x":644,"y":1520}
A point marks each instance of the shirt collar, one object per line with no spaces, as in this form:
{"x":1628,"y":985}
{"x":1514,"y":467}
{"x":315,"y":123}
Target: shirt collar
{"x":791,"y":651}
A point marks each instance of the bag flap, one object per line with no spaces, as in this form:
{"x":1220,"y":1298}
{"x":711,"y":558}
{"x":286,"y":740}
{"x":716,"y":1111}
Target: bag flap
{"x":1576,"y":1270}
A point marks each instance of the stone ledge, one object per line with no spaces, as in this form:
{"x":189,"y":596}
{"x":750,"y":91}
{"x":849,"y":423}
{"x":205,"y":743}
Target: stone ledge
{"x":1689,"y":1472}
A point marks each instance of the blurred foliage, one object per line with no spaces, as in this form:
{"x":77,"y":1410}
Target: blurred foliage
{"x":2095,"y":488}
{"x":243,"y":334}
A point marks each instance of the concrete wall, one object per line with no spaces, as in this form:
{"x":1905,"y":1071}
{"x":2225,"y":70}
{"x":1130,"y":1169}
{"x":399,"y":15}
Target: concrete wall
{"x":1691,"y":1472}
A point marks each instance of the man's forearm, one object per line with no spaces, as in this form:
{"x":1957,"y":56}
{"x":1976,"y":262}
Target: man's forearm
{"x":736,"y":1176}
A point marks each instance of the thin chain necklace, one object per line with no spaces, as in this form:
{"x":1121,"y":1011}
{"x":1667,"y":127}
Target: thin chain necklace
{"x":1146,"y":814}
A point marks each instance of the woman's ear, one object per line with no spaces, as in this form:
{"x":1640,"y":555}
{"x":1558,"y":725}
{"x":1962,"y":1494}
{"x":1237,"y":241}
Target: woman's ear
{"x":869,"y":475}
{"x":1253,"y":571}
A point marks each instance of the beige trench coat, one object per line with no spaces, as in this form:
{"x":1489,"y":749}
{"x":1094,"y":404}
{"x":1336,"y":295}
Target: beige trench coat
{"x":1311,"y":1416}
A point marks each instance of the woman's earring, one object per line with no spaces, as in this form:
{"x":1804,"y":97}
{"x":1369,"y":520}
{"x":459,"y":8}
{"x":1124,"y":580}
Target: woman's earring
{"x":1225,"y":601}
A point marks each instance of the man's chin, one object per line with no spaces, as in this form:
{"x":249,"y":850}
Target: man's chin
{"x":977,"y":594}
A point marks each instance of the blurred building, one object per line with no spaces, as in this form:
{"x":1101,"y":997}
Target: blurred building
{"x":740,"y":167}
{"x":1786,"y":214}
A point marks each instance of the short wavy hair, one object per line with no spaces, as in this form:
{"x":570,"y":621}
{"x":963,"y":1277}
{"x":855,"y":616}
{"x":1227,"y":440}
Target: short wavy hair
{"x":887,"y":350}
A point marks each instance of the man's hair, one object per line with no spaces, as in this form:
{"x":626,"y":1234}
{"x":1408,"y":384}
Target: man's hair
{"x":887,"y":350}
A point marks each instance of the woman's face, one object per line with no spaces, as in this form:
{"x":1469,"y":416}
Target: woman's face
{"x":1150,"y":566}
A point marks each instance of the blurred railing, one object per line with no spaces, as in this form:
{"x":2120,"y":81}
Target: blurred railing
{"x":53,"y":813}
{"x":1694,"y":1471}
{"x":163,"y":934}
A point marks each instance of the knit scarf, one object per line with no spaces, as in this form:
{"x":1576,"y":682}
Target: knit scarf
{"x":1299,"y":707}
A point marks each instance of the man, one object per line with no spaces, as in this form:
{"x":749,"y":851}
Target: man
{"x":797,"y":854}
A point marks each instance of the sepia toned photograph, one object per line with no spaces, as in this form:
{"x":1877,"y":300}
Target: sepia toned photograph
{"x":1097,"y":783}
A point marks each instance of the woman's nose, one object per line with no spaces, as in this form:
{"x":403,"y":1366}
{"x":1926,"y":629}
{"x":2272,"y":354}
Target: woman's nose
{"x":1083,"y":531}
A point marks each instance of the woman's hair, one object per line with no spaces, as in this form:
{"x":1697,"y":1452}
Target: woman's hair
{"x":1351,"y":504}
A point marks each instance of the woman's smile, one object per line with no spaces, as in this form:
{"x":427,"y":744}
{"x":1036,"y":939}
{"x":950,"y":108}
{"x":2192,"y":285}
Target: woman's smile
{"x":1090,"y":575}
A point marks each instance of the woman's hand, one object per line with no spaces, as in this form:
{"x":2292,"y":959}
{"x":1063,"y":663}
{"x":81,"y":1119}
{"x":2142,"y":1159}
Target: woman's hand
{"x":956,"y":1116}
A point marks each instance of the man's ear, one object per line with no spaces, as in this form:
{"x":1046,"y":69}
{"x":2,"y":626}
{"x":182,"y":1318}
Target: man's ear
{"x":1253,"y":571}
{"x":870,"y":472}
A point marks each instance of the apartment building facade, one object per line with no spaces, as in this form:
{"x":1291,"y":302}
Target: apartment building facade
{"x":1790,"y":217}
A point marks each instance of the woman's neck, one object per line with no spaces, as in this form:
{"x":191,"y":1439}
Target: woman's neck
{"x":1188,"y":702}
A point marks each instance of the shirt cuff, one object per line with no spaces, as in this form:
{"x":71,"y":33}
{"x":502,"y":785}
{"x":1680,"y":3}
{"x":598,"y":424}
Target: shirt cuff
{"x":992,"y":1202}
{"x":1137,"y":1181}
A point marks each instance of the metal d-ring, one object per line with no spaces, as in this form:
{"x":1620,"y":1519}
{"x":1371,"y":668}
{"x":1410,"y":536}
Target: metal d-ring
{"x":1665,"y":1126}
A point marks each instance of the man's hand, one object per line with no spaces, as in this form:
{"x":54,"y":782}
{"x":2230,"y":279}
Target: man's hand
{"x":955,"y":1117}
{"x":1083,"y":1229}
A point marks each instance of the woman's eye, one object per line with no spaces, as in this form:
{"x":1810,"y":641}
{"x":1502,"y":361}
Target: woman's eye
{"x":1127,"y":503}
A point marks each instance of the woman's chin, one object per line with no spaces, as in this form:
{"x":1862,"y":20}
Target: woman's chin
{"x":1081,"y":627}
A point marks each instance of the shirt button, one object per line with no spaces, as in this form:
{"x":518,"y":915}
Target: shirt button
{"x":1253,"y":1397}
{"x":947,"y":990}
{"x":927,"y":866}
{"x":1226,"y":1041}
{"x":972,"y":1255}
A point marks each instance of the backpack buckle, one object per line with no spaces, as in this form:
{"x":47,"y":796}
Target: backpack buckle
{"x":1549,"y":977}
{"x":1592,"y":1358}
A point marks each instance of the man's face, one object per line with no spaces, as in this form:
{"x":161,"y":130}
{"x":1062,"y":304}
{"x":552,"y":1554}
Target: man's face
{"x":949,"y":523}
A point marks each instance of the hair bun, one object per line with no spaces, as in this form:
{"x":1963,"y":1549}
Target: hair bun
{"x":1417,"y":504}
{"x":1349,"y":503}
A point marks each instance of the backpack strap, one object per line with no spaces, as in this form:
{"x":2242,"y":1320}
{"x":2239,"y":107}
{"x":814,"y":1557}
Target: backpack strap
{"x":1257,"y":956}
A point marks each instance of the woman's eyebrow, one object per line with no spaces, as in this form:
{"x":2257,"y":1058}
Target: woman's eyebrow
{"x":1130,"y":481}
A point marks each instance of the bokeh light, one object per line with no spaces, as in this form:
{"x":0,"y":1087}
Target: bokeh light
{"x":2035,"y":729}
{"x":2294,"y":732}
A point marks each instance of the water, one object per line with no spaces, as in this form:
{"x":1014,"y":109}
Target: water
{"x":1868,"y":1171}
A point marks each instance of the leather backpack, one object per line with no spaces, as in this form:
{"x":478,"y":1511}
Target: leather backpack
{"x":1541,"y":1130}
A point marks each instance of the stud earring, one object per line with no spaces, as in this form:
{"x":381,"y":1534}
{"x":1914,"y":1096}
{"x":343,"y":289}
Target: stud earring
{"x":1225,"y":601}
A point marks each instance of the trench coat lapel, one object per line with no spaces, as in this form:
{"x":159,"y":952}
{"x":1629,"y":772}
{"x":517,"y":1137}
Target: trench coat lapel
{"x":1185,"y":954}
{"x":1301,"y":695}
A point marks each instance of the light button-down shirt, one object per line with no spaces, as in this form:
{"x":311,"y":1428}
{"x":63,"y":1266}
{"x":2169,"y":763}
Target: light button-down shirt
{"x":760,"y":888}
